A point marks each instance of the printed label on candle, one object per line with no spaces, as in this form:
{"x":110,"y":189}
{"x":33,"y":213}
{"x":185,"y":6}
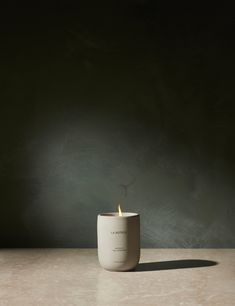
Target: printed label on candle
{"x":119,"y":249}
{"x":118,"y":232}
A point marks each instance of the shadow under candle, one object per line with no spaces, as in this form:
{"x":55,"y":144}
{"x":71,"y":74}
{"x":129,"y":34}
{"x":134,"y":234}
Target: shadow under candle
{"x":174,"y":264}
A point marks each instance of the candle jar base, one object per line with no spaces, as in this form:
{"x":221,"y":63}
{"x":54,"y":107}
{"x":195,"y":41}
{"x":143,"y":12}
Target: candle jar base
{"x":118,"y":241}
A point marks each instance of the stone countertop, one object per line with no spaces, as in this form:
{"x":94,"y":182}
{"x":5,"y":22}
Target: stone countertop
{"x":68,"y":277}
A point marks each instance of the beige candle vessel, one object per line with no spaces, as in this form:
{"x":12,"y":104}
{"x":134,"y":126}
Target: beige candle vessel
{"x":118,"y":240}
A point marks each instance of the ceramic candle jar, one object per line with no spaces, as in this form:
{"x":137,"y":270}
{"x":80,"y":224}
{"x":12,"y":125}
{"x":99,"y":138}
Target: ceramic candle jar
{"x":118,"y":241}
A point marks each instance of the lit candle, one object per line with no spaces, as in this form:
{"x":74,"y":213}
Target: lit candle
{"x":118,"y":240}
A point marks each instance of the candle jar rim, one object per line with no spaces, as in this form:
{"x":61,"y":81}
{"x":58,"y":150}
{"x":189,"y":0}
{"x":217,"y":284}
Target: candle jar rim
{"x":116,"y":215}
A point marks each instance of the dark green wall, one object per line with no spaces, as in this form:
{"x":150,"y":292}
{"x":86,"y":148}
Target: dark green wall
{"x":110,"y":102}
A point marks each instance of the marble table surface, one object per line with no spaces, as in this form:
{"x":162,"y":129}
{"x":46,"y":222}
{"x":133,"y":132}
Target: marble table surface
{"x":166,"y":277}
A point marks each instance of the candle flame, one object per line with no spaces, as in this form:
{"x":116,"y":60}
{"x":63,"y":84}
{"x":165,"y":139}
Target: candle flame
{"x":119,"y":211}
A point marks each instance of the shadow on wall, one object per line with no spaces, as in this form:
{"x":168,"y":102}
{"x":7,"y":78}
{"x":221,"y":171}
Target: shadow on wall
{"x":17,"y":194}
{"x":174,"y":264}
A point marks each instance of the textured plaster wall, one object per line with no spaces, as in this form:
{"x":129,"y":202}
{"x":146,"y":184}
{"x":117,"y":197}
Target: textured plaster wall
{"x":121,"y":102}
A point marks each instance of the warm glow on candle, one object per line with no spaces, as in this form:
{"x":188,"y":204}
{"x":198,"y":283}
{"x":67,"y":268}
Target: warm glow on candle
{"x":119,"y":211}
